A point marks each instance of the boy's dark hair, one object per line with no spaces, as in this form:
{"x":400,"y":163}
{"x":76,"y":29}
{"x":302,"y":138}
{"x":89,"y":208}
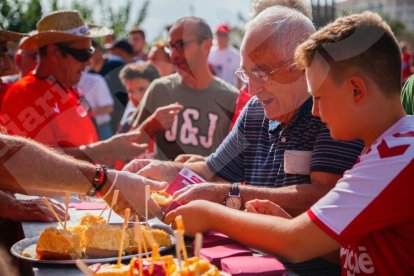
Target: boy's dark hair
{"x":140,"y":70}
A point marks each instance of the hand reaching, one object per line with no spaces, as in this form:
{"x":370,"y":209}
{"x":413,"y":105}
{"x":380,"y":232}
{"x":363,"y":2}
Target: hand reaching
{"x":30,"y":210}
{"x":266,"y":207}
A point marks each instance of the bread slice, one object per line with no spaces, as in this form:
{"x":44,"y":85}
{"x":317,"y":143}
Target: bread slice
{"x":91,"y":220}
{"x":163,"y":199}
{"x":54,"y":244}
{"x":104,"y":240}
{"x":161,"y":237}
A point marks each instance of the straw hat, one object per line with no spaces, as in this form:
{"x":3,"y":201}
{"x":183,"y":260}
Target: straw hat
{"x":10,"y":36}
{"x":62,"y":26}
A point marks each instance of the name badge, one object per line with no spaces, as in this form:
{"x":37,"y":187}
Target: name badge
{"x":297,"y":161}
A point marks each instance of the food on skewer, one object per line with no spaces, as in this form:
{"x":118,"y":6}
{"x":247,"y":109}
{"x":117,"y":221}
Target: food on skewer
{"x":104,"y":240}
{"x":54,"y":244}
{"x":161,"y":266}
{"x":85,"y":222}
{"x":91,"y":220}
{"x":163,"y":199}
{"x":190,"y":267}
{"x":110,"y":269}
{"x":161,"y":237}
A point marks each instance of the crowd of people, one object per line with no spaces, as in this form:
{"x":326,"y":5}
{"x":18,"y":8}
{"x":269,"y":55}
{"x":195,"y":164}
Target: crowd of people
{"x":306,"y":130}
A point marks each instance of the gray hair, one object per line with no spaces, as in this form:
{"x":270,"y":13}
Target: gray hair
{"x":283,"y":27}
{"x":303,"y":6}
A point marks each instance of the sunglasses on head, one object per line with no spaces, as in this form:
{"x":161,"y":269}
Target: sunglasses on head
{"x":82,"y":55}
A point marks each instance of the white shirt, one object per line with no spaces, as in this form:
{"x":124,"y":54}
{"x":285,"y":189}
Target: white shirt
{"x":97,"y":94}
{"x":225,"y":62}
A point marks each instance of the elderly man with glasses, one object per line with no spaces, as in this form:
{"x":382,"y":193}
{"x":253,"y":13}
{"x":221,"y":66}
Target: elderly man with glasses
{"x":208,"y":102}
{"x":276,"y":142}
{"x":282,"y":152}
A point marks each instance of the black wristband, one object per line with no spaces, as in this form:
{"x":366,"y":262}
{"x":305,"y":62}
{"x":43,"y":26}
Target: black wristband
{"x":99,"y":180}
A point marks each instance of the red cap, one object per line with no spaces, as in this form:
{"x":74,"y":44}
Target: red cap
{"x":222,"y":29}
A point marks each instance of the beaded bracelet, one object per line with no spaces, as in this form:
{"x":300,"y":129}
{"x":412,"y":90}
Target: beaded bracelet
{"x":99,"y":180}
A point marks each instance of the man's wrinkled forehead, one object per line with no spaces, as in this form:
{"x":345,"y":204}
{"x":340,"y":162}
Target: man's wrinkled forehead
{"x":259,"y":44}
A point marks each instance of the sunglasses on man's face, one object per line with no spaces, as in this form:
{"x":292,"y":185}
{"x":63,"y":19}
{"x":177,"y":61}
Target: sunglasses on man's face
{"x":81,"y":55}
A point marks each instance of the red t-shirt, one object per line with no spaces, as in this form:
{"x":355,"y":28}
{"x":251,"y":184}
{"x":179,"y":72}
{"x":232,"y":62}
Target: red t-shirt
{"x":242,"y":100}
{"x":370,"y":212}
{"x":43,"y":110}
{"x":406,"y":65}
{"x":3,"y":89}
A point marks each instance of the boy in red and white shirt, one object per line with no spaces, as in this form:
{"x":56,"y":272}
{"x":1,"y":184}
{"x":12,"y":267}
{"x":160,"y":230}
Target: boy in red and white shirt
{"x":353,"y":71}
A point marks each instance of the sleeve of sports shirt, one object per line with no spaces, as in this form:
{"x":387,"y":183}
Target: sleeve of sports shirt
{"x":333,"y":156}
{"x":375,"y":193}
{"x":227,"y":161}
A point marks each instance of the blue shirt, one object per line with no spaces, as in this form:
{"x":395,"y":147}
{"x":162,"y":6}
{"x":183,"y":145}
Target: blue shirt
{"x":254,"y":150}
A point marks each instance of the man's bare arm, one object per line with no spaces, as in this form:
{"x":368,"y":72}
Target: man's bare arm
{"x":295,"y":199}
{"x":25,"y":164}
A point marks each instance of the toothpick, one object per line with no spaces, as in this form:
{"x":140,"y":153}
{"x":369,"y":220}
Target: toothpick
{"x":142,"y":239}
{"x":114,"y":200}
{"x":67,"y":195}
{"x":124,"y":227}
{"x":147,"y":197}
{"x":177,"y":235}
{"x":155,"y":250}
{"x":180,"y":227}
{"x":197,"y":247}
{"x":154,"y":246}
{"x":106,"y":207}
{"x":83,"y":267}
{"x":47,"y":203}
{"x":138,"y":240}
{"x":180,"y":224}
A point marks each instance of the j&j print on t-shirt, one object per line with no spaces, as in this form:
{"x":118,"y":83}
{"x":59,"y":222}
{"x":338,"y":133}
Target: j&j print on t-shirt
{"x":188,"y":133}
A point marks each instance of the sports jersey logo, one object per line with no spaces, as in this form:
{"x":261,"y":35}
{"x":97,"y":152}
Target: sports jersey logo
{"x":357,"y":261}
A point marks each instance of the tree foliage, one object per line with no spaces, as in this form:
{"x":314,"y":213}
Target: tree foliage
{"x":22,"y":15}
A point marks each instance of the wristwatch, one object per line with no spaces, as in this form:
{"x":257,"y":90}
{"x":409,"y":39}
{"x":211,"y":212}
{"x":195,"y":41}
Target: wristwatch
{"x":233,"y":199}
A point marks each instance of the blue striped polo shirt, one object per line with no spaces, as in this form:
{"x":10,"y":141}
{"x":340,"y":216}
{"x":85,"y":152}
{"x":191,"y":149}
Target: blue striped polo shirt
{"x":254,"y":149}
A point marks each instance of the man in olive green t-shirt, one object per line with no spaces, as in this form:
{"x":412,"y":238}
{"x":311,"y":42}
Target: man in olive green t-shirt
{"x":208,"y":102}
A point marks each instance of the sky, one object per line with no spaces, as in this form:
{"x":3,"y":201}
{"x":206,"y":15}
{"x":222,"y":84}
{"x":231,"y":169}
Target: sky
{"x":215,"y":12}
{"x":165,"y":12}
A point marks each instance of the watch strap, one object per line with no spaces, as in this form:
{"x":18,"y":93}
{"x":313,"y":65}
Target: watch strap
{"x":234,"y":189}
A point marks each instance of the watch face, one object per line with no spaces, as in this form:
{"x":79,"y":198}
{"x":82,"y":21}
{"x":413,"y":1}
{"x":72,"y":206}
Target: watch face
{"x":233,"y":202}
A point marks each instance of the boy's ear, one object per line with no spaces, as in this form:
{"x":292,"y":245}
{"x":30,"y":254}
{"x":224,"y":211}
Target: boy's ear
{"x":357,"y":87}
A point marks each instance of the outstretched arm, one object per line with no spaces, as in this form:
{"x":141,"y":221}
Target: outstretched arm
{"x":297,"y":239}
{"x":295,"y":199}
{"x":123,"y":146}
{"x":26,"y":165}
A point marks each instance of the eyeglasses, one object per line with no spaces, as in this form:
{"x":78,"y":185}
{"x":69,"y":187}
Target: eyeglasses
{"x":81,"y":55}
{"x":258,"y":75}
{"x":180,"y":44}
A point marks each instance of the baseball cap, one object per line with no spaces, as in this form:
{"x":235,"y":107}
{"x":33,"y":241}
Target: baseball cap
{"x":223,"y":29}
